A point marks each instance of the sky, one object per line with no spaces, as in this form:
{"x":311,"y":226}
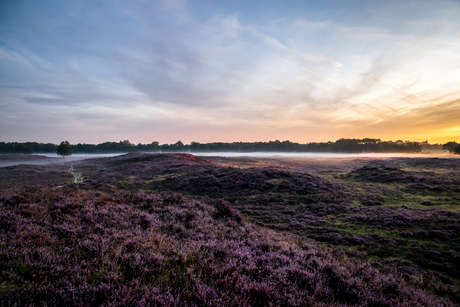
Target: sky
{"x":91,"y":71}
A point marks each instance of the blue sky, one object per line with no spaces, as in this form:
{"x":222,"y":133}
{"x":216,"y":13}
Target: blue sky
{"x":95,"y":71}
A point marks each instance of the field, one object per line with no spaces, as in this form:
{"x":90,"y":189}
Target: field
{"x":181,"y":230}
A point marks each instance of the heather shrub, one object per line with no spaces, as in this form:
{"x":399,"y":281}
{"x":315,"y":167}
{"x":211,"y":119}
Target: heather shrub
{"x":383,"y":174}
{"x":223,"y":210}
{"x":32,"y":176}
{"x":70,"y":247}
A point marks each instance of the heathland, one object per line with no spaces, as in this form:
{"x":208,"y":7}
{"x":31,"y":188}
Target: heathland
{"x":182,"y":230}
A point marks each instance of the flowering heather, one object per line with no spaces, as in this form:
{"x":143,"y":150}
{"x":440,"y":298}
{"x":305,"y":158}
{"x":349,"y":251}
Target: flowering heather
{"x":81,"y":248}
{"x":192,"y":175}
{"x":180,"y":230}
{"x":24,"y":175}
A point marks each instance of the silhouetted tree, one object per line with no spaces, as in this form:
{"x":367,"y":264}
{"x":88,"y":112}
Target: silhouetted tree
{"x":64,"y":149}
{"x":457,"y":150}
{"x":450,"y":146}
{"x":179,"y":145}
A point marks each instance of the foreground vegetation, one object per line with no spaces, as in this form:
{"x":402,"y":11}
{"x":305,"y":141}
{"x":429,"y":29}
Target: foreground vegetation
{"x":180,"y":230}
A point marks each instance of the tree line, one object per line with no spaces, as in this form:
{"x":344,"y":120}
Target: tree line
{"x":340,"y":146}
{"x":365,"y":145}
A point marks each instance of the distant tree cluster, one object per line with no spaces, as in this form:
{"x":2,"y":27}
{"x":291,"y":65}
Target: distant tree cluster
{"x":114,"y":147}
{"x":426,"y":147}
{"x":179,"y":146}
{"x":452,"y":147}
{"x":365,"y":145}
{"x":26,"y":148}
{"x":341,"y":145}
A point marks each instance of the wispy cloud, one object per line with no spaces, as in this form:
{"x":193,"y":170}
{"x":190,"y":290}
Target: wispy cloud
{"x":169,"y":67}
